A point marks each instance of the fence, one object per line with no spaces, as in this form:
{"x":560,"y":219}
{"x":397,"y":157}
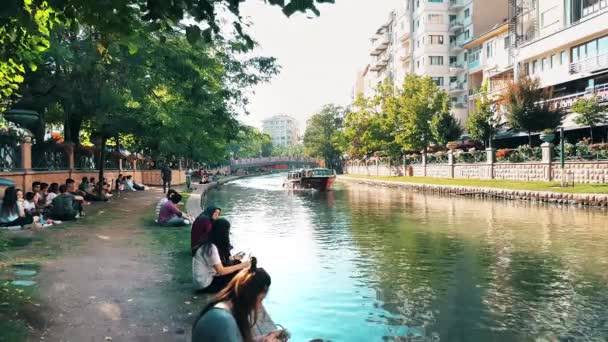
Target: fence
{"x":524,"y":164}
{"x":23,"y":164}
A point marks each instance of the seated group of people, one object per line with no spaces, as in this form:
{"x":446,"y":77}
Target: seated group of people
{"x":238,"y":284}
{"x":50,"y":203}
{"x":126,"y":183}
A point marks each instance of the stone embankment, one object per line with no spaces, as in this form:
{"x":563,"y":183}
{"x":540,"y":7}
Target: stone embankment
{"x":595,"y":200}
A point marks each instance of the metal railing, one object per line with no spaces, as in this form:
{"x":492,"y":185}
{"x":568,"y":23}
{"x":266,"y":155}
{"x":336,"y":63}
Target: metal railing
{"x":10,"y":156}
{"x":566,"y":101}
{"x":271,"y":160}
{"x":590,"y":64}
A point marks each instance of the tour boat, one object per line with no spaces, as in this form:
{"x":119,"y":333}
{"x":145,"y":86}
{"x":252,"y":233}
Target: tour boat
{"x":319,"y":179}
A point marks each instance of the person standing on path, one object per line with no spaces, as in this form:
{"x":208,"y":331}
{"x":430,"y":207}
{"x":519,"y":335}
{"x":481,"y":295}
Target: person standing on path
{"x":165,"y":175}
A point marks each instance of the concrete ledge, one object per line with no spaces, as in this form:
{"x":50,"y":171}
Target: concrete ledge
{"x":594,"y":200}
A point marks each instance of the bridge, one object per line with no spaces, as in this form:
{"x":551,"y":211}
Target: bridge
{"x":273,"y":163}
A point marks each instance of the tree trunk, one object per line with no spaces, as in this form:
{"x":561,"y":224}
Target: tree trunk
{"x":102,"y":161}
{"x":591,"y":133}
{"x":530,"y":138}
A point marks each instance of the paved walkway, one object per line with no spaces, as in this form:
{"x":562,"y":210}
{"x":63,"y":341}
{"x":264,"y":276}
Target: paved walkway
{"x":111,"y":287}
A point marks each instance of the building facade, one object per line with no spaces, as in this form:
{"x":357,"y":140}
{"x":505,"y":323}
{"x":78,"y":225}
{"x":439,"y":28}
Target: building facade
{"x":427,"y":37}
{"x":283,"y":129}
{"x":563,"y":43}
{"x":490,"y":64}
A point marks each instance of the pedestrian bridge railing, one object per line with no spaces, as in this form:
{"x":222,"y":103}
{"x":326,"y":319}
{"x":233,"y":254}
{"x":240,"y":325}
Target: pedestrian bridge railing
{"x":272,"y":160}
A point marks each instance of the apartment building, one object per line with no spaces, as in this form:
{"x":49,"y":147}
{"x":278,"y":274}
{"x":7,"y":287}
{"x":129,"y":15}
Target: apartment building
{"x":564,"y":43}
{"x":427,"y":37}
{"x":283,"y":129}
{"x":489,"y":62}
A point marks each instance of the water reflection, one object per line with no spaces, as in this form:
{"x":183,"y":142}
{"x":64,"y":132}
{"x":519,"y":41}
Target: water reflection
{"x":365,"y":263}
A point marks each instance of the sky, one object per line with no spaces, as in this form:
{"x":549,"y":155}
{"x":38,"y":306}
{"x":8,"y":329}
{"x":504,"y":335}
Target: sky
{"x":319,"y":57}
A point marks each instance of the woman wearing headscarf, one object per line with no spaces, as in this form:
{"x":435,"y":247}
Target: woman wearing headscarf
{"x":202,"y":225}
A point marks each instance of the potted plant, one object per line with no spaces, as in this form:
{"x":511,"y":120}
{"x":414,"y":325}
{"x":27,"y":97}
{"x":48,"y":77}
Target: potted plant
{"x":452,"y":145}
{"x":547,"y":135}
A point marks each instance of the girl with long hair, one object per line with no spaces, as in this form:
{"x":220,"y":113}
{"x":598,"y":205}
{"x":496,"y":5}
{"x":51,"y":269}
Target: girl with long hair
{"x":212,"y":265}
{"x":231,"y":315}
{"x":12,"y":211}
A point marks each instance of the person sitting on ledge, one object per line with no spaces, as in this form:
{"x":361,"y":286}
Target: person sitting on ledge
{"x":202,"y":225}
{"x":53,"y":192}
{"x":132,"y":186}
{"x":44,"y":192}
{"x":29,"y":204}
{"x":84,"y":189}
{"x":12,"y":211}
{"x":212,"y":265}
{"x":231,"y":315}
{"x":169,"y":215}
{"x":66,"y":206}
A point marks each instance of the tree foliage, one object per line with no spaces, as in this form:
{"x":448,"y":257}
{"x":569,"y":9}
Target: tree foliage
{"x":528,"y":108}
{"x":589,"y":113}
{"x":251,"y":143}
{"x":482,"y":123}
{"x":322,"y":136}
{"x":445,"y":128}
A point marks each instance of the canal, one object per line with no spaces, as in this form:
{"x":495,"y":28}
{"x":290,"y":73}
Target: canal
{"x":366,"y":263}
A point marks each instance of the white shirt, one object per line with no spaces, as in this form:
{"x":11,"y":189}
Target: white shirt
{"x":49,"y":198}
{"x":202,"y":267}
{"x":27,"y":205}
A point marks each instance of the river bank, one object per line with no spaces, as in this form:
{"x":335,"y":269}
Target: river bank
{"x":489,"y":189}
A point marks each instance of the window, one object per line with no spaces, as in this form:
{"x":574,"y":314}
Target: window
{"x":453,"y":60}
{"x":438,"y":80}
{"x":553,"y":61}
{"x":452,"y":18}
{"x":507,"y":42}
{"x":452,"y":39}
{"x":545,"y":65}
{"x":467,"y":35}
{"x":534,"y":67}
{"x":435,"y":0}
{"x":418,"y":64}
{"x":453,"y":99}
{"x":417,"y":23}
{"x":489,"y":49}
{"x":436,"y":39}
{"x":453,"y":79}
{"x":527,"y":68}
{"x":562,"y":57}
{"x":418,"y":43}
{"x":436,"y":60}
{"x":590,"y":49}
{"x":467,"y":13}
{"x":435,"y":19}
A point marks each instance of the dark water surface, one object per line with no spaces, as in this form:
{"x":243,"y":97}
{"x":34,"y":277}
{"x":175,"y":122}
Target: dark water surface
{"x":365,"y":263}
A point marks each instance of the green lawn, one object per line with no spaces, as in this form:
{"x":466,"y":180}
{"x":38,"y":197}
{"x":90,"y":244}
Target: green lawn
{"x":497,"y":184}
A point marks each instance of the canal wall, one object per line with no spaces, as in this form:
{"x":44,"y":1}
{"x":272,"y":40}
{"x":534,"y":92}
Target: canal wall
{"x":595,"y":200}
{"x":545,"y":170}
{"x":194,"y":207}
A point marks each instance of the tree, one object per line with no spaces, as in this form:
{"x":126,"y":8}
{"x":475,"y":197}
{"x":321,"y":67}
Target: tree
{"x":251,"y":143}
{"x":589,"y":113}
{"x":482,"y":124}
{"x":413,"y":109}
{"x":445,"y":128}
{"x":25,"y":26}
{"x":528,"y":107}
{"x":321,"y":138}
{"x":367,"y":130}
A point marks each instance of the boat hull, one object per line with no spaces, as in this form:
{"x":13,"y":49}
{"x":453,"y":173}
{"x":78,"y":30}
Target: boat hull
{"x":317,"y":183}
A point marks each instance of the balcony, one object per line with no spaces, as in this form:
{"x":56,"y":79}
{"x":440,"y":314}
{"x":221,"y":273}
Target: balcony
{"x":566,"y":102}
{"x":456,"y":25}
{"x":457,"y":68}
{"x":474,"y":64}
{"x":379,"y":45}
{"x":456,"y":47}
{"x":457,"y":88}
{"x":404,"y":36}
{"x":590,"y":65}
{"x":456,"y":5}
{"x":458,"y":105}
